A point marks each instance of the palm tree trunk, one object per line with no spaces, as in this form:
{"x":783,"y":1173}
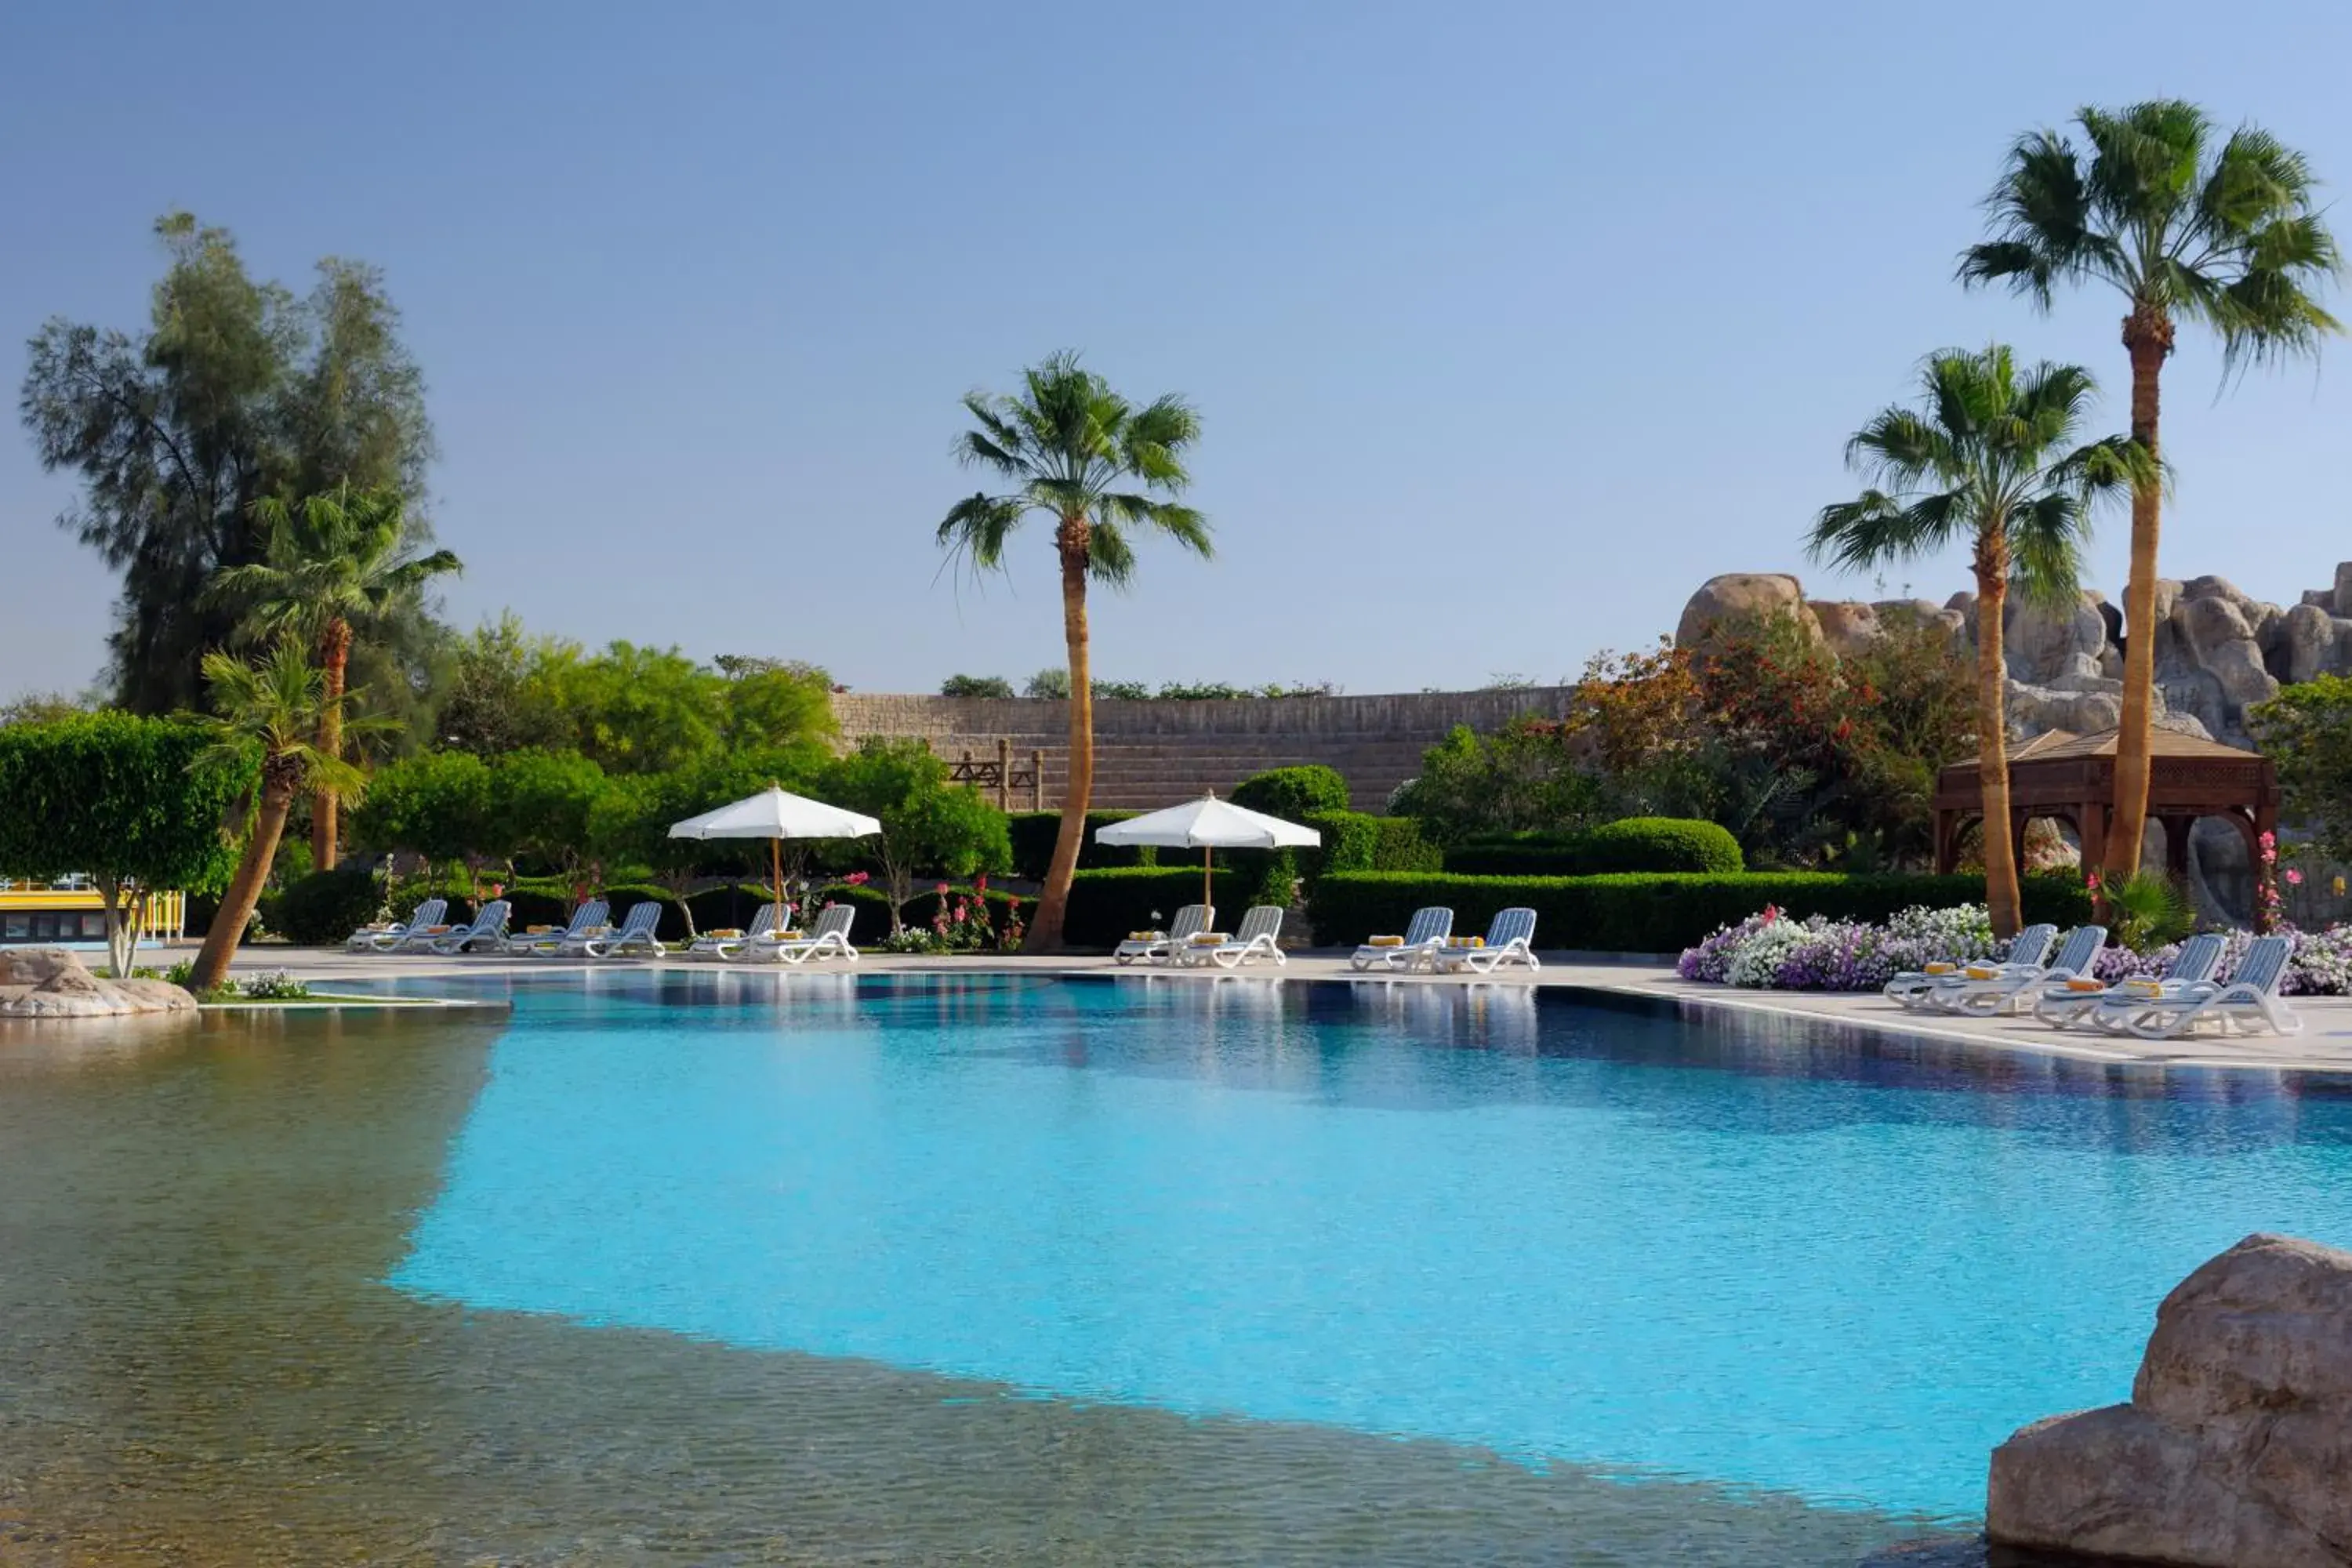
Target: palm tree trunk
{"x":1053,"y":902}
{"x":244,"y":890}
{"x":2148,"y":337}
{"x":335,"y":656}
{"x":2001,"y":896}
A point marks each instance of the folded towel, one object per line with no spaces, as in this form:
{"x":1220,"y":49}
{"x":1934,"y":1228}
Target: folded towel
{"x":437,"y":930}
{"x":1941,"y":968}
{"x":725,"y":931}
{"x":541,"y":931}
{"x":1210,"y":938}
{"x":1465,"y":941}
{"x":2085,"y":986}
{"x":2144,"y":987}
{"x":1147,"y":936}
{"x":1981,"y":971}
{"x":1385,"y":942}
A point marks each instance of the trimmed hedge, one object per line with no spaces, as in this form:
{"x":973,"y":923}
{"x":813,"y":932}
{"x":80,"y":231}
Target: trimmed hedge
{"x":1633,"y":844}
{"x":1654,"y":914}
{"x":324,"y":907}
{"x":1293,"y":794}
{"x":1358,"y":841}
{"x":1032,"y":844}
{"x":1105,"y":905}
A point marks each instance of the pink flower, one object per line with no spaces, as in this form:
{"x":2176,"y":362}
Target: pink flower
{"x":943,"y":890}
{"x":2092,"y":881}
{"x":2293,"y":878}
{"x":858,"y":878}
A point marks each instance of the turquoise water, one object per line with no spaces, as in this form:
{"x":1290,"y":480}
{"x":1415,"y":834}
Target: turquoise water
{"x":1745,"y":1253}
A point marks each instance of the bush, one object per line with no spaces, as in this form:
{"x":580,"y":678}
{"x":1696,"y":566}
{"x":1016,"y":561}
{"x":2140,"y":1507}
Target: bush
{"x":1293,"y":794}
{"x":1633,"y":844}
{"x":1653,"y":913}
{"x":975,"y":686}
{"x":1032,"y":844}
{"x":323,"y":908}
{"x":1358,"y":841}
{"x":1105,"y":905}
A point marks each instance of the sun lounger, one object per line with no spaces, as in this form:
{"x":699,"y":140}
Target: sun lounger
{"x":2249,"y":1004}
{"x":488,"y":930}
{"x":727,"y":944}
{"x":590,"y":918}
{"x":2063,"y":1007}
{"x":2010,"y":989}
{"x":1507,"y":942}
{"x":829,"y":939}
{"x":1915,"y":988}
{"x":1153,"y":946}
{"x":636,"y":934}
{"x":385,"y":938}
{"x":1259,"y":937}
{"x":1423,"y":934}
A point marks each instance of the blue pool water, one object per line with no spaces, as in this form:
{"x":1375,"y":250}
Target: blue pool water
{"x":1746,"y":1252}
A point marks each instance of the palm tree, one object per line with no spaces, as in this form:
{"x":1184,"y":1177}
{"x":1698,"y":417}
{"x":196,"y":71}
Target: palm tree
{"x":338,"y":560}
{"x":2227,"y":235}
{"x":1985,"y":458}
{"x":1103,"y":471}
{"x":276,"y":704}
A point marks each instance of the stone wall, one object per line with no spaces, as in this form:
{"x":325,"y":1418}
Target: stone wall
{"x":1157,"y":753}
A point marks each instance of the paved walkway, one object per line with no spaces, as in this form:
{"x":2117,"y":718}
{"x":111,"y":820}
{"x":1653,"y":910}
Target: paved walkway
{"x":2324,"y":1045}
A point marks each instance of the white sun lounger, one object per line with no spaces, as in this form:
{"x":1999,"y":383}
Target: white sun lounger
{"x":1423,"y":934}
{"x":763,"y":923}
{"x":592,"y":917}
{"x":384,"y":939}
{"x":1258,"y":937}
{"x":2063,"y":1007}
{"x":1190,"y":922}
{"x":829,"y":939}
{"x":2248,"y":1005}
{"x":635,"y":935}
{"x":488,"y":930}
{"x":1508,"y":939}
{"x":1916,"y":988}
{"x":2012,"y":990}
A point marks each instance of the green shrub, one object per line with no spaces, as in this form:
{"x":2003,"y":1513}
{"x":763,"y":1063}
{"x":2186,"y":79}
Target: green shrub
{"x":1633,"y":844}
{"x":1517,"y":855}
{"x":1032,"y":844}
{"x":1358,"y":841}
{"x":1105,"y":905}
{"x":323,"y":908}
{"x":1651,"y":913}
{"x":1293,"y":794}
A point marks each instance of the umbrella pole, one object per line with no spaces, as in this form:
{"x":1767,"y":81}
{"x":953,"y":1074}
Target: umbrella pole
{"x":776,"y":866}
{"x":1207,"y":854}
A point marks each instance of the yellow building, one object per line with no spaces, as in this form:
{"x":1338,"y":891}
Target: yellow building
{"x":71,"y":913}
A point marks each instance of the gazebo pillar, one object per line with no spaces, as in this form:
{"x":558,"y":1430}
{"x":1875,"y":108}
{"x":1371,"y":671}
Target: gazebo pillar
{"x":2091,"y":828}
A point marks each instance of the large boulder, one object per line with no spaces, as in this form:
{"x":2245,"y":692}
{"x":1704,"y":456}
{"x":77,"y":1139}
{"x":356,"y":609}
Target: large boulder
{"x":2234,"y":1450}
{"x":1743,"y":596}
{"x":1847,"y":626}
{"x":2308,"y":639}
{"x":2043,"y":642}
{"x":2342,"y":596}
{"x":53,"y":983}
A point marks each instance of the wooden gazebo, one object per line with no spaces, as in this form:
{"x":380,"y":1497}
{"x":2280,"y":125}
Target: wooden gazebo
{"x":2072,"y":778}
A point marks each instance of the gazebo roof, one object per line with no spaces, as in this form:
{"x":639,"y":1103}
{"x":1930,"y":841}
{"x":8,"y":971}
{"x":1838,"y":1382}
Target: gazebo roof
{"x":2064,"y":745}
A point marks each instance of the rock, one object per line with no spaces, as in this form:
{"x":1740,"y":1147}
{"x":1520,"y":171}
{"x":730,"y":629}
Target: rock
{"x":1742,"y":595}
{"x":2041,"y":641}
{"x":2037,"y":709}
{"x":2206,"y":623}
{"x":2343,"y":593}
{"x":2233,"y":1451}
{"x":1847,"y":626}
{"x":2308,"y":639}
{"x":52,"y":983}
{"x":2323,"y":597}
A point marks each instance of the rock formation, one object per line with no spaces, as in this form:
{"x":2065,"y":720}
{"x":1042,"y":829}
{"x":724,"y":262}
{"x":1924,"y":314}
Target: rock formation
{"x":51,"y":982}
{"x":2236,"y":1449}
{"x":1742,"y":595}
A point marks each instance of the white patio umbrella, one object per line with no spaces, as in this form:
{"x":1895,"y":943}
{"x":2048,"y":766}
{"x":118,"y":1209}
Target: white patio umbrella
{"x":1209,"y":824}
{"x":775,"y":814}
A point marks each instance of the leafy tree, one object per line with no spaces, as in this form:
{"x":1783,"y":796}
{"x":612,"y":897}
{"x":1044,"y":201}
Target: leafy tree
{"x":2306,"y":731}
{"x":490,"y":705}
{"x":44,"y":707}
{"x":2229,"y":236}
{"x":235,"y":390}
{"x":1051,"y":684}
{"x":629,"y":822}
{"x":1103,"y":470}
{"x":927,"y":823}
{"x":272,"y":708}
{"x":1520,"y":778}
{"x":540,"y":806}
{"x":1988,"y":459}
{"x":775,"y":702}
{"x":978,"y":686}
{"x":132,"y":801}
{"x":435,"y":804}
{"x":339,"y":563}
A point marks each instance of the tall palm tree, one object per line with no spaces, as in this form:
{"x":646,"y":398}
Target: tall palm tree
{"x":1987,"y":457}
{"x":2229,"y":236}
{"x":1103,"y":471}
{"x":339,"y":561}
{"x":276,"y":704}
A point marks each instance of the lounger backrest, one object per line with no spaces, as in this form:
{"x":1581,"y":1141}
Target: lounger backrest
{"x":493,"y":917}
{"x":1260,"y":919}
{"x":2198,"y":958}
{"x":2031,"y":946}
{"x":2264,"y":962}
{"x":428,"y":914}
{"x":591,"y":913}
{"x":835,"y":921}
{"x":1434,"y":924}
{"x":764,"y":921}
{"x":639,"y":920}
{"x":2080,"y":950}
{"x":1192,"y":920}
{"x":1511,"y":925}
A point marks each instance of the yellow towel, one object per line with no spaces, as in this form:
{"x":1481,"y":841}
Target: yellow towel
{"x":2085,"y":986}
{"x":1385,"y":942}
{"x":1147,"y":936}
{"x":722,"y":930}
{"x":1980,"y":971}
{"x":1465,"y":941}
{"x":2144,"y":987}
{"x":1210,"y":938}
{"x":435,"y":930}
{"x":1941,"y":968}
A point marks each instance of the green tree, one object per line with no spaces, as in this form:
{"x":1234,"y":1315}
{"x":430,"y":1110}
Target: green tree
{"x":1103,"y":471}
{"x":1988,"y":459}
{"x":1051,"y":684}
{"x":338,"y":563}
{"x":978,"y":686}
{"x":269,"y":707}
{"x":435,"y":804}
{"x":2229,"y":236}
{"x":2306,"y":731}
{"x":540,"y":805}
{"x":927,"y":823}
{"x":774,"y":702}
{"x":133,"y":802}
{"x":235,"y":390}
{"x":490,"y":704}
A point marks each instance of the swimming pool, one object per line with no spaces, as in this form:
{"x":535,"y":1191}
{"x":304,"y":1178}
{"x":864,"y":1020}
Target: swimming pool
{"x":995,"y":1246}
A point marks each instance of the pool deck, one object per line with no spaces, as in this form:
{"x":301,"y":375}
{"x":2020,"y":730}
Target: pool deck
{"x":2324,"y":1045}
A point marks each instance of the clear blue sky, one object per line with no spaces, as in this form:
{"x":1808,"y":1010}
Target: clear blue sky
{"x":1510,"y":323}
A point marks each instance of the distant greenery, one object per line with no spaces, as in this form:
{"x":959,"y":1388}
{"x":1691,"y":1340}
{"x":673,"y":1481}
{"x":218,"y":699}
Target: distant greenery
{"x":2306,"y":731}
{"x":981,"y":685}
{"x":1053,"y":684}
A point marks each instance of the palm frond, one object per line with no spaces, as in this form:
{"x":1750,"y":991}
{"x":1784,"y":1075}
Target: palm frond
{"x":2046,"y":548}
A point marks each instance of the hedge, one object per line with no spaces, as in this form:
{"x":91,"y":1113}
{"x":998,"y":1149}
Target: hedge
{"x":1625,"y":912}
{"x":1633,"y":844}
{"x":1105,"y":905}
{"x":324,"y":907}
{"x":1293,"y":794}
{"x":1032,"y":844}
{"x":1352,"y":841}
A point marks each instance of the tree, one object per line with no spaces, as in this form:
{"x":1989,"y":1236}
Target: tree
{"x":1988,"y":459}
{"x":2230,"y":237}
{"x":271,"y":708}
{"x":1051,"y":684}
{"x":490,"y":707}
{"x":132,"y":801}
{"x":540,"y":805}
{"x":2306,"y":730}
{"x":435,"y":804}
{"x":339,"y":562}
{"x":980,"y":684}
{"x":1103,"y":470}
{"x":927,"y":823}
{"x":235,"y":390}
{"x":774,"y":702}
